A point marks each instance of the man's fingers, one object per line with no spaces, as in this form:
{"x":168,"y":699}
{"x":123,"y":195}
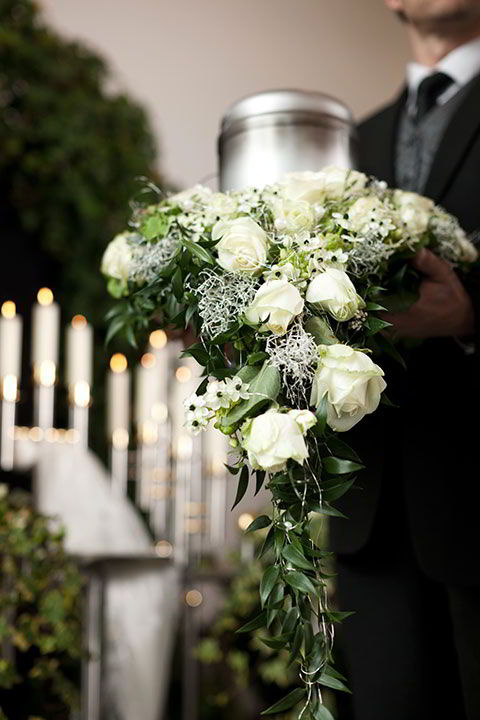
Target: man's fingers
{"x":432,"y":266}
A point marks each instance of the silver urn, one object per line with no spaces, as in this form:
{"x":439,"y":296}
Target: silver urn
{"x":265,"y":135}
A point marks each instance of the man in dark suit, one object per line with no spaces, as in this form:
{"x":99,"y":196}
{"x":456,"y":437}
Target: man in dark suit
{"x":409,"y":557}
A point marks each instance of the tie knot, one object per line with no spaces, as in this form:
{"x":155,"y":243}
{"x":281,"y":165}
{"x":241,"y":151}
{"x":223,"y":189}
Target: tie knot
{"x":429,"y":91}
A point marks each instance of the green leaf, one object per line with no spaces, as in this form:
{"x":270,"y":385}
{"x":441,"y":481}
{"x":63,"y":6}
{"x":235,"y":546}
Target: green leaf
{"x":340,"y":466}
{"x":321,"y":331}
{"x":270,"y":577}
{"x":200,"y":252}
{"x":299,"y":581}
{"x":320,"y":712}
{"x":255,"y":624}
{"x":330,"y":670}
{"x":372,"y":306}
{"x":260,"y":478}
{"x":375,"y":324}
{"x":268,"y":543}
{"x":326,"y":509}
{"x":290,"y":621}
{"x":321,"y":414}
{"x":257,"y":357}
{"x":297,"y":558}
{"x":287,"y":702}
{"x":262,"y":521}
{"x":276,"y":643}
{"x":242,"y":486}
{"x":341,"y":449}
{"x":265,"y":388}
{"x":155,"y":226}
{"x":177,"y":284}
{"x":335,"y":489}
{"x":297,"y":643}
{"x":332,"y":682}
{"x":232,"y":470}
{"x":385,"y":345}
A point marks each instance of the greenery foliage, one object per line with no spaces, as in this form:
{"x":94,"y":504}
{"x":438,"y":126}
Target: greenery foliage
{"x":40,"y":614}
{"x":71,"y":153}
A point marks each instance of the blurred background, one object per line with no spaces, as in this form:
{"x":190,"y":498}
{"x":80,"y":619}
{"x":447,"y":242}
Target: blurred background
{"x":93,"y":95}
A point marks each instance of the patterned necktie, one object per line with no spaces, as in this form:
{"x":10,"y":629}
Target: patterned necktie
{"x":429,"y":91}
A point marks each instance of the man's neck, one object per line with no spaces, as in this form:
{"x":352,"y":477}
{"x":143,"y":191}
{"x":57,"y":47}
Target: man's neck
{"x":428,"y":48}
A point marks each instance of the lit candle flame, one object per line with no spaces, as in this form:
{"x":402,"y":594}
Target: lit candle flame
{"x":9,"y":388}
{"x":45,"y":374}
{"x":9,"y":310}
{"x":245,"y":520}
{"x":81,"y":394}
{"x":118,"y":363}
{"x":45,"y":296}
{"x":79,"y":322}
{"x":183,"y":374}
{"x":158,"y":339}
{"x":148,"y":360}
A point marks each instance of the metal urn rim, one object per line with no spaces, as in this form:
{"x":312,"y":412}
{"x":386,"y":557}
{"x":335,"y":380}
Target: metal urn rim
{"x":293,"y":102}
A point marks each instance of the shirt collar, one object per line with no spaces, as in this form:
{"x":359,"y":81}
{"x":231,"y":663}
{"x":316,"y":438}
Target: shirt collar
{"x":462,"y":64}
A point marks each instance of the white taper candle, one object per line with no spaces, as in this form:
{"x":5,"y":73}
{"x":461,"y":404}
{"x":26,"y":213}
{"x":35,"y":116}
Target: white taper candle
{"x":45,"y":335}
{"x":118,"y":400}
{"x":79,"y":351}
{"x":10,"y":341}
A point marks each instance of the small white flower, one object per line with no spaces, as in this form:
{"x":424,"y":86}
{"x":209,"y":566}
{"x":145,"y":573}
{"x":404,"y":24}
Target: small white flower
{"x":194,"y":401}
{"x":216,"y":395}
{"x":198,"y":419}
{"x":236,"y":389}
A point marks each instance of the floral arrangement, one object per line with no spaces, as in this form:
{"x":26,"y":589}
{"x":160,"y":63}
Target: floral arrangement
{"x":284,"y":286}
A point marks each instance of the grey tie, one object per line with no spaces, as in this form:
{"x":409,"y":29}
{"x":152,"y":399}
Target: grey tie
{"x":429,"y":91}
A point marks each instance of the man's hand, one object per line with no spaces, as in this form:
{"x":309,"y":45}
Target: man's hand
{"x":443,"y":309}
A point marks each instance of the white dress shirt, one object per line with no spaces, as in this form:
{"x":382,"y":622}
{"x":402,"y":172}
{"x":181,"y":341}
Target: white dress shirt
{"x":461,"y":64}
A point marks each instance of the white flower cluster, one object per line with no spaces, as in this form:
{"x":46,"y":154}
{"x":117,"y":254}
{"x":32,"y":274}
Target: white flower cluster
{"x":219,"y":395}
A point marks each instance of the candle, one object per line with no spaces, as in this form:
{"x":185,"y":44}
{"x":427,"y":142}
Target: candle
{"x":158,"y":347}
{"x":10,"y":341}
{"x":118,"y":400}
{"x":146,"y":392}
{"x":79,"y":352}
{"x":45,"y":334}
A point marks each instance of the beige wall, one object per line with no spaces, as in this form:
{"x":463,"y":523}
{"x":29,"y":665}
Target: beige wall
{"x":187,"y":60}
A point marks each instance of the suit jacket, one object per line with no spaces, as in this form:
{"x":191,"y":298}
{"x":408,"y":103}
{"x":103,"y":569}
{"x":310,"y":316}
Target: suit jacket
{"x":423,"y":459}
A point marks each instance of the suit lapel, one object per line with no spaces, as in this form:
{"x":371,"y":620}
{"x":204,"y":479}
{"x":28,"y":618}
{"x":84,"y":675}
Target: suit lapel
{"x":455,"y":143}
{"x":385,"y":142}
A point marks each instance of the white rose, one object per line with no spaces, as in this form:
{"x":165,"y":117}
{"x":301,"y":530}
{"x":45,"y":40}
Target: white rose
{"x":117,"y":258}
{"x":342,"y":181}
{"x":414,"y":210}
{"x":304,"y":187}
{"x":334,"y":292}
{"x":314,"y":187}
{"x":272,"y":439}
{"x":293,"y":216}
{"x":352,"y":382}
{"x":242,"y":245}
{"x":276,"y":303}
{"x":304,"y":418}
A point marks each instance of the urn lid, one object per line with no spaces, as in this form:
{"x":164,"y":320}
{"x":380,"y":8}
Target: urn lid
{"x":294,"y":102}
